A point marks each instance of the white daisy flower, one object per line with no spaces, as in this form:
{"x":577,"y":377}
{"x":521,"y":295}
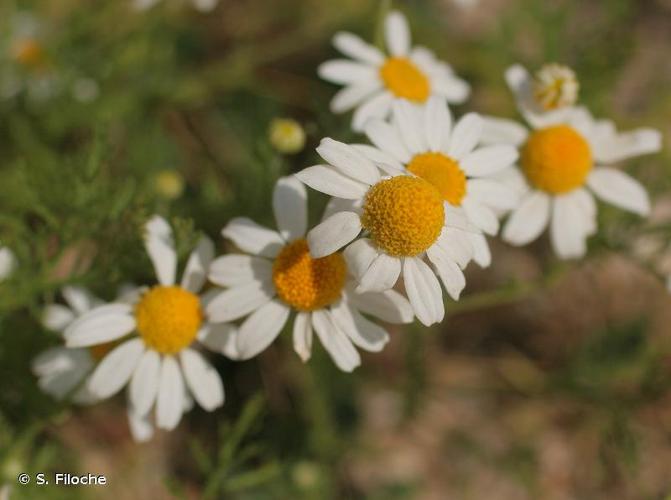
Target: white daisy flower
{"x":199,"y":5}
{"x":159,"y":364}
{"x":277,"y":276}
{"x":7,"y":262}
{"x":404,"y":219}
{"x":61,"y":370}
{"x":373,"y":80}
{"x":423,"y":141}
{"x":563,"y":163}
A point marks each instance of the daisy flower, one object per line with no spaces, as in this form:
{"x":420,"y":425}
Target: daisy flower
{"x":277,"y":276}
{"x":7,"y":262}
{"x":564,"y":162}
{"x":158,"y":361}
{"x":404,"y":218}
{"x":373,"y":80}
{"x":423,"y":141}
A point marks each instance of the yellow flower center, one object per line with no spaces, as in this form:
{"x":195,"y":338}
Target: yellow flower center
{"x":29,"y":53}
{"x":168,"y":318}
{"x":404,"y":215}
{"x":307,"y":284}
{"x":443,"y":173}
{"x":556,"y":159}
{"x":555,"y":86}
{"x":405,"y":80}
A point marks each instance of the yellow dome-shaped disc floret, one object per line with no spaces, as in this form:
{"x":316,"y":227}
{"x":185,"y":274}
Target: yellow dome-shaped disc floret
{"x":168,"y":318}
{"x":308,"y":284}
{"x":29,"y":53}
{"x":405,"y":80}
{"x":443,"y":173}
{"x":404,"y":215}
{"x":556,"y":159}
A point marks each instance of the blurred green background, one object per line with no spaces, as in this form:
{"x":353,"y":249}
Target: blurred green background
{"x":546,"y":381}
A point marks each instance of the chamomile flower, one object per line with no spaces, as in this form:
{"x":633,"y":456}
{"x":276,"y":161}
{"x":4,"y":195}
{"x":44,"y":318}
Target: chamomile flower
{"x":373,"y":80}
{"x":199,"y":5}
{"x":24,"y":59}
{"x":563,"y":163}
{"x":423,"y":141}
{"x":60,"y":370}
{"x":7,"y":262}
{"x":404,"y":218}
{"x":158,"y":362}
{"x":277,"y":276}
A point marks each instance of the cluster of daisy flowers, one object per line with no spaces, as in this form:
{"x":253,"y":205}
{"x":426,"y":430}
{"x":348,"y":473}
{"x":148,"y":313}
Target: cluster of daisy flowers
{"x":410,"y":208}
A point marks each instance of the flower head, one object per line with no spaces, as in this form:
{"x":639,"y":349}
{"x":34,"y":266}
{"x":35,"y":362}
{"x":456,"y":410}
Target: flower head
{"x":158,"y":361}
{"x":373,"y":80}
{"x":564,"y":161}
{"x":404,"y":218}
{"x":277,"y":276}
{"x":287,"y":135}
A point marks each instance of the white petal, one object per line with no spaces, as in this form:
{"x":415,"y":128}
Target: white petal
{"x":7,"y":262}
{"x":448,"y":270}
{"x":141,"y":427}
{"x":437,"y":124}
{"x":457,"y":245}
{"x":220,"y":338}
{"x":334,"y":233}
{"x":480,"y":215}
{"x":170,"y":400}
{"x":252,"y":238}
{"x":60,"y":370}
{"x":302,"y":336}
{"x":161,"y":249}
{"x":389,"y":306}
{"x":381,"y":275}
{"x":362,"y":332}
{"x":384,"y":161}
{"x":481,"y":253}
{"x":529,"y":220}
{"x":290,"y":208}
{"x":56,"y":317}
{"x":336,"y":205}
{"x":99,"y":325}
{"x":359,"y":256}
{"x":195,"y":272}
{"x":378,"y":106}
{"x":353,"y":95}
{"x":79,"y":299}
{"x":621,"y":146}
{"x":386,"y":138}
{"x":566,"y":228}
{"x":397,"y":34}
{"x":237,"y":302}
{"x":237,"y":269}
{"x":144,"y":383}
{"x":354,"y":47}
{"x":259,"y":330}
{"x":489,"y":160}
{"x":502,"y":131}
{"x":451,"y":88}
{"x":343,"y":71}
{"x":205,"y":5}
{"x":408,"y":119}
{"x":493,"y":194}
{"x":619,"y":189}
{"x":202,"y":380}
{"x":329,"y":181}
{"x":335,"y":342}
{"x":115,"y":370}
{"x":588,"y":206}
{"x":423,"y":291}
{"x":348,"y":161}
{"x":465,"y":136}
